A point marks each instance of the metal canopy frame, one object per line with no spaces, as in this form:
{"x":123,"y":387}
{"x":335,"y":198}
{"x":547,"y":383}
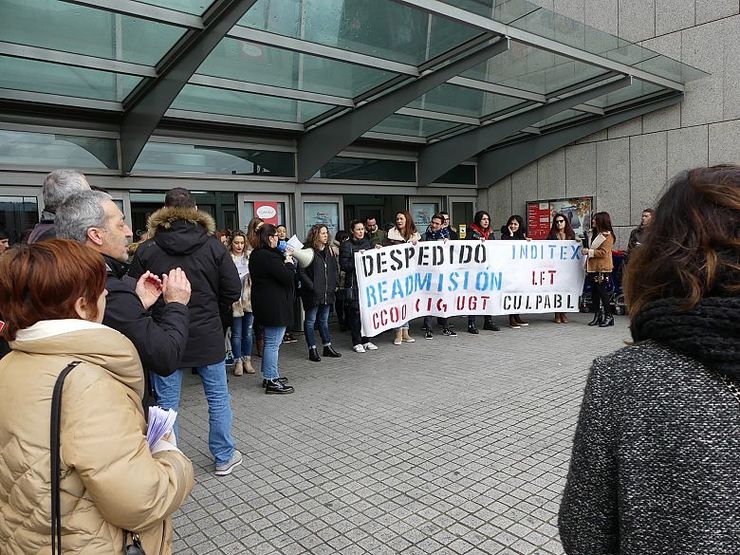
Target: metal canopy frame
{"x":148,"y":103}
{"x":438,"y":158}
{"x":319,"y":145}
{"x":496,"y":164}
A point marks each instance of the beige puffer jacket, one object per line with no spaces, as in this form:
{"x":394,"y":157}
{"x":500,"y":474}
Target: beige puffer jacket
{"x":245,"y":303}
{"x":110,"y":480}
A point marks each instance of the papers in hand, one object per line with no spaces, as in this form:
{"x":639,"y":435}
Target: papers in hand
{"x":295,"y":243}
{"x":160,"y":422}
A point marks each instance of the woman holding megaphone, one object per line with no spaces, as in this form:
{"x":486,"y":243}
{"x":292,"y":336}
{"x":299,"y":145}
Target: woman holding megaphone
{"x":318,"y":273}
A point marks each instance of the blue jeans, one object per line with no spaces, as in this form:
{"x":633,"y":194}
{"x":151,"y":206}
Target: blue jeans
{"x":320,"y":312}
{"x":213,"y":377}
{"x":271,"y":351}
{"x":241,"y":335}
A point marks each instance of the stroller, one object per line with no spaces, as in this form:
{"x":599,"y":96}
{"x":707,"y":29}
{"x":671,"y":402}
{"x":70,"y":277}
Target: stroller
{"x":616,"y":295}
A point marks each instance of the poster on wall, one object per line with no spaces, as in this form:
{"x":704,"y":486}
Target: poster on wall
{"x":422,"y":214}
{"x":540,"y":214}
{"x":326,"y":213}
{"x":267,"y":210}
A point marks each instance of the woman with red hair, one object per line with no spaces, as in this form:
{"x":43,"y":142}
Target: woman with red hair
{"x":52,"y":297}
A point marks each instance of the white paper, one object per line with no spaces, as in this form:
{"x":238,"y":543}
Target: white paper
{"x":295,"y":243}
{"x":160,"y":423}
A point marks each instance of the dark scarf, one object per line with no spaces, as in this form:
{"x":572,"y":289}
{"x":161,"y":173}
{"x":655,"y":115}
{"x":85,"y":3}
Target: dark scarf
{"x":709,"y":332}
{"x":115,"y":267}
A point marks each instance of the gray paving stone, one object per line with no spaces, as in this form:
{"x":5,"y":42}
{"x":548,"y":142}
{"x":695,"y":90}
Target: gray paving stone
{"x":440,"y":447}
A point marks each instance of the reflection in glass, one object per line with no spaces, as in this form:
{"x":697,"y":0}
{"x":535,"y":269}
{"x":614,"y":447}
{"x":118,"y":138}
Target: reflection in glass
{"x":43,"y":77}
{"x":216,"y":160}
{"x":368,"y":169}
{"x":73,"y":28}
{"x":47,"y":150}
{"x":464,"y":174}
{"x":18,"y":215}
{"x":411,"y":126}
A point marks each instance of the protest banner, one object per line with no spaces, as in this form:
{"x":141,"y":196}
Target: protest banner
{"x":402,"y":282}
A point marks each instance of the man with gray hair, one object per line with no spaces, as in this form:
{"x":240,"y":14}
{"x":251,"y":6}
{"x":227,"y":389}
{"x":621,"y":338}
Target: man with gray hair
{"x":92,"y":218}
{"x":58,"y":185}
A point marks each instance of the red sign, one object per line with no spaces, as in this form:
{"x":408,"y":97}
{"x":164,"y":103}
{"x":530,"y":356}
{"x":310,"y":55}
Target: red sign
{"x":267,"y":211}
{"x":538,"y":219}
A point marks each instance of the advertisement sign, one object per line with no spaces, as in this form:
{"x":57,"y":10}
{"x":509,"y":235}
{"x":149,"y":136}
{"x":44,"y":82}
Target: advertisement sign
{"x":266,"y":210}
{"x":402,"y":282}
{"x":326,"y":213}
{"x":422,"y":214}
{"x":540,"y":214}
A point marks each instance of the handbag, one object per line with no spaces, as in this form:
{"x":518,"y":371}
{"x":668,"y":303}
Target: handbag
{"x":134,"y":548}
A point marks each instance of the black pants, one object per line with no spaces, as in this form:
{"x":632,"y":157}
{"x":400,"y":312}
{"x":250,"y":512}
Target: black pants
{"x":355,"y":327}
{"x":600,"y":291}
{"x":440,"y":322}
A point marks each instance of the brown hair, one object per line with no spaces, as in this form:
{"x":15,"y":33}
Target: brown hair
{"x":691,"y":249}
{"x":238,"y":233}
{"x":410,"y":228}
{"x":568,"y":230}
{"x":252,"y":236}
{"x":42,"y":281}
{"x":312,"y":239}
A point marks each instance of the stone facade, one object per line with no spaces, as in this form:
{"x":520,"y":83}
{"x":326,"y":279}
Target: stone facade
{"x":627,"y":166}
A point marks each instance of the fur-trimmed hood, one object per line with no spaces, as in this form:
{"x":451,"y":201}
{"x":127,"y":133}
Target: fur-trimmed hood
{"x":180,"y":230}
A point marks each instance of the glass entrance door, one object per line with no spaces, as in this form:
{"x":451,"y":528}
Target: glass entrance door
{"x":19,"y":212}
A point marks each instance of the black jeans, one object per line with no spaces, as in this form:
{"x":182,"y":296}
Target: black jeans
{"x":440,"y":322}
{"x":355,"y":327}
{"x":600,"y":296}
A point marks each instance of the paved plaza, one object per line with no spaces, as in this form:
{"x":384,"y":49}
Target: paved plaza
{"x":455,"y":445}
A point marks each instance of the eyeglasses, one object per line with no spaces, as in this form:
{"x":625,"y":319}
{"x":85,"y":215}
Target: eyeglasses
{"x":559,"y":221}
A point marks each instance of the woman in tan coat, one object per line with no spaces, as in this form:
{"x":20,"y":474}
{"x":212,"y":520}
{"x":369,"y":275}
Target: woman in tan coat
{"x":599,"y":267}
{"x":52,"y":297}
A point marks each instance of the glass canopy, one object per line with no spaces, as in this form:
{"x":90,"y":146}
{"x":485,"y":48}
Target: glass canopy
{"x":296,"y":65}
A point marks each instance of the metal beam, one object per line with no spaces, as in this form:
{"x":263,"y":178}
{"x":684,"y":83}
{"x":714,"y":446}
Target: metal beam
{"x":439,"y":8}
{"x":148,"y":103}
{"x":319,"y":145}
{"x":440,"y":157}
{"x":74,"y":60}
{"x":497,"y":164}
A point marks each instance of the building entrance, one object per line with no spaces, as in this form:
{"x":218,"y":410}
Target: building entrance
{"x":383,"y":207}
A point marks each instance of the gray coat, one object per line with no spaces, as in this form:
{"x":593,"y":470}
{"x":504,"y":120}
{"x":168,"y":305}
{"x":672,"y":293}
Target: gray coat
{"x":655,"y":459}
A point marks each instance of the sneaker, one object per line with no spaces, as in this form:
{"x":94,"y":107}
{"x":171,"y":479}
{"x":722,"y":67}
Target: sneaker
{"x":428,"y":333}
{"x":522,"y":323}
{"x":277,"y":387}
{"x":371,"y":346}
{"x":358,"y":348}
{"x":226,"y":468}
{"x":289,"y":338}
{"x":281,"y":380}
{"x":448,"y":332}
{"x":514,"y":325}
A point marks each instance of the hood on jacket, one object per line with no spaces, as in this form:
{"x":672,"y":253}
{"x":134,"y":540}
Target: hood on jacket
{"x":88,"y":342}
{"x":180,"y":231}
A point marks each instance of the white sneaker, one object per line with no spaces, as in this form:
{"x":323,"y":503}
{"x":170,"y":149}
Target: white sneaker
{"x":371,"y":346}
{"x":359,"y":348}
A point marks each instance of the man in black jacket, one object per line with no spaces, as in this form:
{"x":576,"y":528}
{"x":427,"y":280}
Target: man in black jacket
{"x":92,"y":218}
{"x":184,"y":236}
{"x":58,"y":186}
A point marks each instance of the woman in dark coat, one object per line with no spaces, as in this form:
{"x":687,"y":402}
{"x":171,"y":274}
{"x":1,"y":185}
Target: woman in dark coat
{"x":514,"y":231}
{"x":318,"y":286}
{"x":481,"y":230}
{"x":272,"y":302}
{"x":356,"y":242}
{"x":657,"y":449}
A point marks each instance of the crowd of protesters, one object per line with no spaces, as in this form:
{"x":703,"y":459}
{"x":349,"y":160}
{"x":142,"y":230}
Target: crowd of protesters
{"x":134,"y":319}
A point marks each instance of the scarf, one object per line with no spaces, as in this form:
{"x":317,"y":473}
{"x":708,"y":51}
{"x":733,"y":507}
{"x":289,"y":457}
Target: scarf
{"x":480,"y":231}
{"x":709,"y":332}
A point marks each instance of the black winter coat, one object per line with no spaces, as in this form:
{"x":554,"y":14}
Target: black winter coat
{"x":273,"y":290}
{"x":347,"y":262}
{"x":160,"y":344}
{"x":319,"y":280}
{"x":183,"y":237}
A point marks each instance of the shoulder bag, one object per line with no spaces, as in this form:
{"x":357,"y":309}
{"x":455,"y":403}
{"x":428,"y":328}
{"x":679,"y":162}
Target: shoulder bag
{"x":134,"y":548}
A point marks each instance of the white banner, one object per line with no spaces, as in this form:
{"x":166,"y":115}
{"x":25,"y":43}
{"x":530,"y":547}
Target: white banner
{"x":435,"y":278}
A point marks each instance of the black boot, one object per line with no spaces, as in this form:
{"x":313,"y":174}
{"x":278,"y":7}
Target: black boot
{"x":489,"y":325}
{"x":313,"y":354}
{"x":608,"y":320}
{"x":330,"y":352}
{"x":598,"y":318}
{"x":276,"y":387}
{"x":472,"y":329}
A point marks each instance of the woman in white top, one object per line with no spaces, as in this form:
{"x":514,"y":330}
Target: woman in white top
{"x":404,"y":232}
{"x":241,"y":326}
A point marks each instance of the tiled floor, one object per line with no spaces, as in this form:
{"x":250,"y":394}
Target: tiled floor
{"x":454,"y":445}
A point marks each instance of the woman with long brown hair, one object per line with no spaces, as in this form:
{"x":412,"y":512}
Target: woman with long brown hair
{"x":561,"y":230}
{"x":657,"y":448}
{"x":404,"y":232}
{"x":599,"y":267}
{"x":242,"y":322}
